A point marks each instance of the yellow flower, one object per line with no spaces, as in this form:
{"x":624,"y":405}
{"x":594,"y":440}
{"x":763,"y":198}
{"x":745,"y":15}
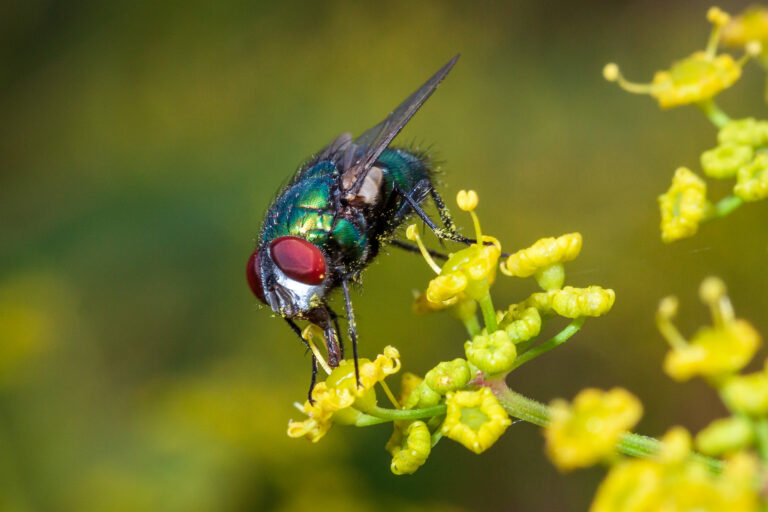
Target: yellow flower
{"x":752,"y":179}
{"x":747,"y":394}
{"x":694,"y":79}
{"x":714,"y":351}
{"x":409,"y":446}
{"x":521,"y":324}
{"x":474,"y":419}
{"x":682,"y":206}
{"x":448,"y":376}
{"x":724,"y":160}
{"x":408,"y":383}
{"x":334,"y":399}
{"x":744,"y":132}
{"x":587,"y":431}
{"x":573,"y":302}
{"x":674,"y":482}
{"x":751,"y":25}
{"x":544,"y":259}
{"x":493,"y":353}
{"x":726,"y":435}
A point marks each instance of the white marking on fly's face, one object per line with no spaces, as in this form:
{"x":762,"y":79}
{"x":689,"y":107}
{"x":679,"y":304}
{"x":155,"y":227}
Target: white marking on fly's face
{"x":302,"y":294}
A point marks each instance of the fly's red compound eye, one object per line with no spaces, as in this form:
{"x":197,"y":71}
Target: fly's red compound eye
{"x":252,"y":271}
{"x":298,"y":259}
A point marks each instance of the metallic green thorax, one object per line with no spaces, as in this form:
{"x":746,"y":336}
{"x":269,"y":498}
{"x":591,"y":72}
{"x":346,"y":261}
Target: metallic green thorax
{"x":310,"y":207}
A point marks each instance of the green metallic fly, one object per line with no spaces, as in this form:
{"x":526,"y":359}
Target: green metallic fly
{"x":331,"y":219}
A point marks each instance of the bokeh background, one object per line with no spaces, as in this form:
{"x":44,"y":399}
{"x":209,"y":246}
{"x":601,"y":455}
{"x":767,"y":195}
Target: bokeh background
{"x":141,"y":142}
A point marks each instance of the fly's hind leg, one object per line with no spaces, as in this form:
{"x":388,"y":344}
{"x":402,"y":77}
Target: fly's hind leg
{"x":422,"y":188}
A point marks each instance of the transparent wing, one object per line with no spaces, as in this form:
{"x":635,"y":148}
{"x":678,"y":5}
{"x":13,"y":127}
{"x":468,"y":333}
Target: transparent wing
{"x":376,"y":140}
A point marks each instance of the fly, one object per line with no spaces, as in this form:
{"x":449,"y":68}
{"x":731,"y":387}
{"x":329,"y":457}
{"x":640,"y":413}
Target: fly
{"x":332,"y":218}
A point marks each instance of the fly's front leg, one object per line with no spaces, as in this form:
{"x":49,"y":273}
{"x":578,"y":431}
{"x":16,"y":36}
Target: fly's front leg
{"x":322,"y":318}
{"x":351,"y":324}
{"x":314,"y":359}
{"x":335,"y":319}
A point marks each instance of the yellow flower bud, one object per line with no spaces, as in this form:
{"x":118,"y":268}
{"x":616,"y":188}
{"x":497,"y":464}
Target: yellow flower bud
{"x":412,"y":232}
{"x":448,"y":376}
{"x":611,"y":72}
{"x":752,"y":179}
{"x":421,"y":397}
{"x":727,"y":435}
{"x":675,"y":446}
{"x":750,"y":26}
{"x":445,"y":287}
{"x":492,"y":353}
{"x":408,"y":383}
{"x":573,"y":302}
{"x":716,"y":16}
{"x":474,"y":419}
{"x":747,"y":393}
{"x":725,"y":160}
{"x":682,"y":206}
{"x":585,"y":432}
{"x":409,"y":448}
{"x":744,"y":132}
{"x":467,"y":200}
{"x":521,"y":324}
{"x":544,"y":253}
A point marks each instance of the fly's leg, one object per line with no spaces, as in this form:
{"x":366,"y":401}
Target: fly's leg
{"x":449,"y":231}
{"x":314,"y":359}
{"x":351,"y":324}
{"x":335,"y":319}
{"x":322,"y":318}
{"x":414,"y":248}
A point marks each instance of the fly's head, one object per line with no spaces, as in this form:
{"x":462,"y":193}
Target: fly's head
{"x":289,"y":274}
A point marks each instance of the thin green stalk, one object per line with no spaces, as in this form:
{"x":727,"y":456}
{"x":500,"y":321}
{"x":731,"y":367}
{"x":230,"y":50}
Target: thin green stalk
{"x":531,"y":411}
{"x":472,"y":324}
{"x":761,"y":434}
{"x":713,"y":112}
{"x":723,"y":207}
{"x":405,"y":414}
{"x":551,"y":343}
{"x":489,"y":313}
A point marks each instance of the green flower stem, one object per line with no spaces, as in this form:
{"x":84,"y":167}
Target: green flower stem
{"x":473,"y":326}
{"x":405,"y":414}
{"x":723,"y":207}
{"x":551,"y":343}
{"x":537,"y":413}
{"x":489,"y":313}
{"x":761,"y":434}
{"x":713,"y":112}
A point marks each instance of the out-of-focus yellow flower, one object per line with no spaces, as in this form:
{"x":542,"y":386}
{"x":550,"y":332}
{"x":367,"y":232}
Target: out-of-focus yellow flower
{"x":676,"y":483}
{"x":544,"y":259}
{"x":724,"y":160}
{"x":474,"y":419}
{"x":744,"y":132}
{"x":573,"y":302}
{"x":521,"y":324}
{"x":714,"y":351}
{"x":726,"y":435}
{"x":409,"y":446}
{"x":751,"y":25}
{"x":694,"y":79}
{"x":752,"y":179}
{"x":587,"y":431}
{"x":747,"y":394}
{"x":448,"y":376}
{"x":334,"y":397}
{"x":682,"y":206}
{"x":493,"y":353}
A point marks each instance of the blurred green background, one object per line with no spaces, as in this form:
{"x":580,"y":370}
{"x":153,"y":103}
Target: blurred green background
{"x":141,"y":142}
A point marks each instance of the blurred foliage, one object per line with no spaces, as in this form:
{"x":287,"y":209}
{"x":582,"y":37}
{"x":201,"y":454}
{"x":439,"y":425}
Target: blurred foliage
{"x":140,"y":143}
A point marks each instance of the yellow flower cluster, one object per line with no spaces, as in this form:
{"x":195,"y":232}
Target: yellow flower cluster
{"x":339,"y":399}
{"x":682,"y":206}
{"x":717,"y":351}
{"x":587,"y":431}
{"x":695,"y":79}
{"x":474,"y":419}
{"x":672,"y":481}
